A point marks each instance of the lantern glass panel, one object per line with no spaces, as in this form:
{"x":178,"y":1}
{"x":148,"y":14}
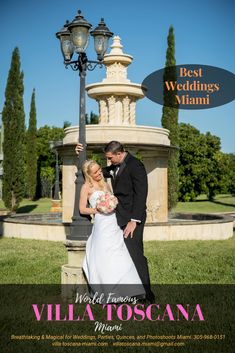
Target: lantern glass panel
{"x":80,"y":38}
{"x":101,"y":44}
{"x":66,"y":47}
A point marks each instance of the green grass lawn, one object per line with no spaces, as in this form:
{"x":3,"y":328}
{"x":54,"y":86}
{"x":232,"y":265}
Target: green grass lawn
{"x":222,"y":203}
{"x":35,"y":261}
{"x":32,"y":261}
{"x":192,"y":261}
{"x":27,"y":206}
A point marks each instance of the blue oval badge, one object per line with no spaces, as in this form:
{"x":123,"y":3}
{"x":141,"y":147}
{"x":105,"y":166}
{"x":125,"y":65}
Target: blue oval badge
{"x":190,"y":86}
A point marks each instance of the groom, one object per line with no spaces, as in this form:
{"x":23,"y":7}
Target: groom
{"x":130,"y":186}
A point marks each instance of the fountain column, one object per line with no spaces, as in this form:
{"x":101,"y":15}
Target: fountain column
{"x":117,"y":97}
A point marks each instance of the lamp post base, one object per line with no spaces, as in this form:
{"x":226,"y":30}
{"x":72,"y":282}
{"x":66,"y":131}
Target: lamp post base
{"x":72,"y":278}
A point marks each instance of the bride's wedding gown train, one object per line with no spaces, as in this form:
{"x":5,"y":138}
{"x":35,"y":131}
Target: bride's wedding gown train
{"x":107,"y":262}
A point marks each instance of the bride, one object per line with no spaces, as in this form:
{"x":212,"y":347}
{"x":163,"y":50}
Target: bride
{"x":107,"y":264}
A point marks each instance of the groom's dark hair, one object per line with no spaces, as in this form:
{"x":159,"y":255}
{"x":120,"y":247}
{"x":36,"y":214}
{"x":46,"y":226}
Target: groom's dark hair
{"x":114,"y":147}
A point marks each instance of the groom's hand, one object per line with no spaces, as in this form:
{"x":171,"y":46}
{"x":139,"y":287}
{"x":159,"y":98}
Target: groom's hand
{"x":129,"y":230}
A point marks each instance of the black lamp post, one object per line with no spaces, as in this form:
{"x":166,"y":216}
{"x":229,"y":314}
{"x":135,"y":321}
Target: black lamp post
{"x":53,"y":145}
{"x":74,"y":38}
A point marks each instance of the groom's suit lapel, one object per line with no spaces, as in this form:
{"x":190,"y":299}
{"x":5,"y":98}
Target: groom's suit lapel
{"x":122,"y":167}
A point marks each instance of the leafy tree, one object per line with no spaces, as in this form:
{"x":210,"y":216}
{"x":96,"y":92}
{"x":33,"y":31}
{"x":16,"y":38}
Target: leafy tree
{"x":92,"y":119}
{"x":14,"y":136}
{"x":139,"y":156}
{"x":224,"y":171}
{"x":191,"y":152}
{"x":66,"y":124}
{"x":213,"y":167}
{"x":45,"y":134}
{"x":98,"y":158}
{"x":170,"y":120}
{"x":47,"y":179}
{"x":230,"y":175}
{"x":31,"y":151}
{"x":46,"y":158}
{"x":202,"y":166}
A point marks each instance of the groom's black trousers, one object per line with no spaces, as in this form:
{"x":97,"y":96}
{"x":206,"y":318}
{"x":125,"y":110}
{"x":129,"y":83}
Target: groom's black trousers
{"x":136,"y":249}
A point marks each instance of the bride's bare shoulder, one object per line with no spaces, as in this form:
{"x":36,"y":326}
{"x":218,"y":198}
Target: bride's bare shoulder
{"x":86,"y":187}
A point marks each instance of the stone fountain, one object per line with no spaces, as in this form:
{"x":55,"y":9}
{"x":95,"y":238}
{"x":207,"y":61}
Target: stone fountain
{"x":117,"y":96}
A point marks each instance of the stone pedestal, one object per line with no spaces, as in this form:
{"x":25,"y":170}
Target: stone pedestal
{"x":56,"y":206}
{"x":71,"y":273}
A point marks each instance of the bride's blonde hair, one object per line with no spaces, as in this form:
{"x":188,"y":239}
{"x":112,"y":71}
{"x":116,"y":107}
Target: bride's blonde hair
{"x":86,"y":169}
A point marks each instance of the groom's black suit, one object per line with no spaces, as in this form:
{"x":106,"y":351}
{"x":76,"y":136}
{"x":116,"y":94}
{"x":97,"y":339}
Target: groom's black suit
{"x":130,"y":186}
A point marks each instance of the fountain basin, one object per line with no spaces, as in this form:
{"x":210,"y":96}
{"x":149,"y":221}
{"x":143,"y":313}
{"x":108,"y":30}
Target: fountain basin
{"x":191,"y":226}
{"x":101,"y":134}
{"x":181,"y":226}
{"x":41,"y":226}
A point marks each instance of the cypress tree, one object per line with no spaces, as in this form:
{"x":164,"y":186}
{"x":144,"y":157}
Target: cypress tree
{"x":170,"y":120}
{"x":31,"y":151}
{"x":14,"y":136}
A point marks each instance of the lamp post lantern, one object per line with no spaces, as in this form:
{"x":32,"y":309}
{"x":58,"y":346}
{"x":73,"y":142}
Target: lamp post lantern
{"x":74,"y":38}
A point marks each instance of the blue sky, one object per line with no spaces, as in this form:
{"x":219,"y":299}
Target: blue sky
{"x":204,"y":34}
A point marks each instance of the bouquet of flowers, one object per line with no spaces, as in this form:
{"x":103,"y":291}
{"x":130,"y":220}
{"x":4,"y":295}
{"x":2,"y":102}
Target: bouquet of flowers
{"x":106,"y":203}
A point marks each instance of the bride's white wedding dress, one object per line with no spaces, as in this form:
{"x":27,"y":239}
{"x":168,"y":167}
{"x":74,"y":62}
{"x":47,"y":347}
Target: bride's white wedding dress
{"x":107,"y":260}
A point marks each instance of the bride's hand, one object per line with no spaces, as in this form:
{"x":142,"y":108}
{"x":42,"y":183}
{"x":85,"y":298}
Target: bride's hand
{"x":95,"y":211}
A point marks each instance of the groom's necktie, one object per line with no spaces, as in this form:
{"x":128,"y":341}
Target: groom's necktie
{"x":117,"y":166}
